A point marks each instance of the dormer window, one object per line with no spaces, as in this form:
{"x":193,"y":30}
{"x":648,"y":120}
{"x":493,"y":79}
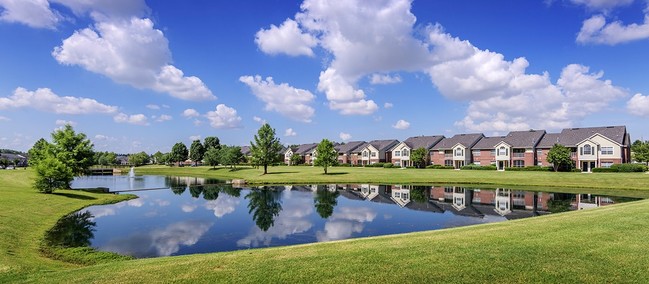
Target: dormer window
{"x":405,"y":153}
{"x":502,"y":151}
{"x":588,"y":150}
{"x":459,"y":152}
{"x":397,"y":153}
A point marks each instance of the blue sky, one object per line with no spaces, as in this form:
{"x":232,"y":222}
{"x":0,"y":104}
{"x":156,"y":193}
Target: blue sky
{"x":142,"y":75}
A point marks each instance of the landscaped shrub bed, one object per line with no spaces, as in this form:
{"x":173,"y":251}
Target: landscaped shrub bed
{"x":478,"y":167}
{"x":440,"y":167}
{"x":530,"y":169}
{"x":622,"y":168}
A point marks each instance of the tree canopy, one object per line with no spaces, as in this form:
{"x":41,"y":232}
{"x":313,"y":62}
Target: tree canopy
{"x":139,"y":159}
{"x":230,"y":155}
{"x":178,"y":153}
{"x":212,"y":157}
{"x":326,"y":155}
{"x":419,"y":157}
{"x":560,"y":158}
{"x":72,"y":149}
{"x":640,"y":150}
{"x":196,"y":151}
{"x":211,"y":142}
{"x":266,"y":147}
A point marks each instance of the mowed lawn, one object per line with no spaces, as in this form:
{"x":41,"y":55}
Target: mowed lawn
{"x":603,"y":245}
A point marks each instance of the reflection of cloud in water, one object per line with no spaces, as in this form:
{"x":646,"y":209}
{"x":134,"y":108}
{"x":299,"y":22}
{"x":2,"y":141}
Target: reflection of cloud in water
{"x":387,"y":216}
{"x":160,"y":242}
{"x":292,"y":220}
{"x":135,"y":202}
{"x":188,"y":208}
{"x":343,"y":223}
{"x":101,"y":211}
{"x":161,"y":202}
{"x":223,"y":205}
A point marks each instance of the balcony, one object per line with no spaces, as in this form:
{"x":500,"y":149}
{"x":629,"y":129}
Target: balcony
{"x":448,"y":155}
{"x":518,"y":155}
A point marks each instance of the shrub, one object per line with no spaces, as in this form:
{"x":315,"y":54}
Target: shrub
{"x":440,"y":167}
{"x":622,"y":168}
{"x":478,"y":167}
{"x":344,"y":165}
{"x":605,"y":170}
{"x":388,"y":165}
{"x":530,"y":169}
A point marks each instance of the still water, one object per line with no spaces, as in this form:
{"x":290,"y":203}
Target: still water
{"x":194,"y":215}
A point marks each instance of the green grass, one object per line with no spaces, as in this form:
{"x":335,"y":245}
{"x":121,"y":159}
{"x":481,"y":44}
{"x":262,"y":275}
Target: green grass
{"x":604,"y":245}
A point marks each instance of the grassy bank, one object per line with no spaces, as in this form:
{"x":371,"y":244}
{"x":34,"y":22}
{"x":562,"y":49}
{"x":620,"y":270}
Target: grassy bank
{"x":307,"y":175}
{"x":602,"y":245}
{"x":25,"y":215}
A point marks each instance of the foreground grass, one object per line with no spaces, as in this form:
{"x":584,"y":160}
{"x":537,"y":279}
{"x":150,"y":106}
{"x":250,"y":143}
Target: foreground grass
{"x":342,"y":175}
{"x":25,"y":215}
{"x":604,"y":245}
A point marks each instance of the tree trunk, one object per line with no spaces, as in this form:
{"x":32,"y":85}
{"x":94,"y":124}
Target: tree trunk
{"x":325,"y":168}
{"x":265,"y":169}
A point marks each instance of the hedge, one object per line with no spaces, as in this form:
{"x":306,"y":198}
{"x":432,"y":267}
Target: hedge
{"x":622,"y":168}
{"x":530,"y":169}
{"x":440,"y":167}
{"x":478,"y":167}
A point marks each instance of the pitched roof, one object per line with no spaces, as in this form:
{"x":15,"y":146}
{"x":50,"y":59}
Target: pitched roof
{"x":468,"y":140}
{"x":382,"y":145}
{"x":245,"y":150}
{"x":304,"y":148}
{"x":571,"y":136}
{"x":549,"y":140}
{"x":425,"y":142}
{"x":12,"y":157}
{"x":349,"y":146}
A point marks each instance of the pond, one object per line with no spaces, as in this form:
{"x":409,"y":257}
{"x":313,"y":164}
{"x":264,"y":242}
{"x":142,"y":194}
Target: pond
{"x":193,"y":215}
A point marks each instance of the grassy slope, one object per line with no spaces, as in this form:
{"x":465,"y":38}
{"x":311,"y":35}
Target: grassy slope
{"x":306,"y":175}
{"x":601,"y":245}
{"x":25,"y":215}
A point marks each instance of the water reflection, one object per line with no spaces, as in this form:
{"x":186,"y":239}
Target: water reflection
{"x":200,"y":215}
{"x":74,"y":230}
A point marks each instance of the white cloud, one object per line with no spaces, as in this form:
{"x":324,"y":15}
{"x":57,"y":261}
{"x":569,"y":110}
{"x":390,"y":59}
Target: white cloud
{"x":290,"y":132}
{"x":287,"y":39}
{"x":346,"y":221}
{"x":188,"y":208}
{"x":43,"y":99}
{"x":4,"y":118}
{"x":101,"y":137}
{"x":61,"y":122}
{"x":33,"y":13}
{"x":604,"y":5}
{"x":194,"y":137}
{"x":224,"y":117}
{"x":136,"y":119}
{"x":130,"y":51}
{"x":401,"y":125}
{"x":259,"y":120}
{"x":152,"y":106}
{"x":384,"y":79}
{"x":294,"y":219}
{"x":596,"y":30}
{"x":342,"y":95}
{"x":223,"y":205}
{"x":345,"y":136}
{"x":283,"y":98}
{"x":197,"y":122}
{"x":163,"y":118}
{"x":101,"y":8}
{"x":638,"y":105}
{"x":190,"y":112}
{"x":387,"y":105}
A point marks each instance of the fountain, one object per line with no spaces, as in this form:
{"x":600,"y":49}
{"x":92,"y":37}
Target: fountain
{"x":131,"y":173}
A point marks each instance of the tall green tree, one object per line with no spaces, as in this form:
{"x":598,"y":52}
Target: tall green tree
{"x":196,"y":151}
{"x":640,"y":150}
{"x":230,"y":155}
{"x":264,"y":204}
{"x":212,"y":157}
{"x":40,"y":151}
{"x":419,"y":157}
{"x":72,"y":149}
{"x":266,"y":147}
{"x":325,"y":201}
{"x":139,"y":159}
{"x":327,"y":155}
{"x":559,"y":156}
{"x":296,"y":159}
{"x":178,"y":153}
{"x":52,"y":174}
{"x":158,"y":158}
{"x":211,"y":142}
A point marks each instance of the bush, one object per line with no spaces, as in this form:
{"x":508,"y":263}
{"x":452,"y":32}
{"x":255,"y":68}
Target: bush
{"x":388,"y":165}
{"x":605,"y":170}
{"x":478,"y":167}
{"x":344,"y":165}
{"x":530,"y":169}
{"x":440,"y":167}
{"x":622,"y":168}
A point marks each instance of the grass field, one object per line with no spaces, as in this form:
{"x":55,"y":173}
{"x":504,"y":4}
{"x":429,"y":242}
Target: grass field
{"x":604,"y":245}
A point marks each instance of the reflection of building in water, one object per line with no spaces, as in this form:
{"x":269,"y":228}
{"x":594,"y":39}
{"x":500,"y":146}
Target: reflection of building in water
{"x":368,"y":191}
{"x":586,"y":201}
{"x":503,"y":201}
{"x":400,"y":194}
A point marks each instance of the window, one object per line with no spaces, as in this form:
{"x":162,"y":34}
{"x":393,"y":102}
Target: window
{"x":493,"y":152}
{"x":397,"y":153}
{"x":404,"y":196}
{"x":519,"y":163}
{"x":397,"y":164}
{"x":476,"y":152}
{"x":606,"y":164}
{"x":459,"y":152}
{"x":365,"y":154}
{"x":448,"y":163}
{"x":607,"y":150}
{"x":397,"y":195}
{"x":502,"y":151}
{"x":405,"y":153}
{"x":539,"y":153}
{"x":588,"y":150}
{"x":477,"y":163}
{"x":373,"y":154}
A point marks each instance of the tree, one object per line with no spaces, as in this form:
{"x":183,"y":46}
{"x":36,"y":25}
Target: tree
{"x":327,"y":155}
{"x":266,"y":146}
{"x":559,"y":156}
{"x":196,"y":151}
{"x":640,"y":150}
{"x":325,"y":201}
{"x":158,"y":158}
{"x":264,"y":205}
{"x":211,"y":142}
{"x":139,"y":159}
{"x":52,"y":174}
{"x":212,"y":157}
{"x":178,"y":153}
{"x":296,"y":159}
{"x":419,"y":157}
{"x":230,"y":155}
{"x":72,"y":149}
{"x":105,"y":158}
{"x":39,"y":151}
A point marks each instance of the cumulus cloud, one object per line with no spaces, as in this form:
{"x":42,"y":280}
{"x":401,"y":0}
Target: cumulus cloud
{"x":259,"y":120}
{"x":283,"y":98}
{"x":190,"y":112}
{"x":602,"y":5}
{"x":401,"y":125}
{"x":638,"y":105}
{"x":223,"y":205}
{"x":152,"y":106}
{"x":44,"y":99}
{"x":387,"y":105}
{"x":163,"y":118}
{"x":224,"y":117}
{"x":130,"y":51}
{"x":287,"y":39}
{"x":383,"y":79}
{"x":4,"y":118}
{"x":290,"y":132}
{"x":345,"y":222}
{"x":194,"y":137}
{"x":596,"y":30}
{"x":33,"y":13}
{"x":62,"y":122}
{"x":345,"y":136}
{"x":294,"y":219}
{"x":135,"y":119}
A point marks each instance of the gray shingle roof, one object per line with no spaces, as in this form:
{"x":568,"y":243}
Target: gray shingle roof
{"x":348,"y":147}
{"x":425,"y":142}
{"x":304,"y":148}
{"x":549,"y":140}
{"x":468,"y":140}
{"x":488,"y":143}
{"x":245,"y":150}
{"x":383,"y":145}
{"x":516,"y":139}
{"x":571,"y":136}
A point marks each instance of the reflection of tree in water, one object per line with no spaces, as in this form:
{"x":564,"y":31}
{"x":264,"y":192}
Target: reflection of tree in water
{"x":74,"y":230}
{"x":264,"y":205}
{"x":210,"y":192}
{"x":178,"y":190}
{"x":419,"y":193}
{"x":229,"y":190}
{"x":325,"y":201}
{"x":560,"y":202}
{"x":196,"y":191}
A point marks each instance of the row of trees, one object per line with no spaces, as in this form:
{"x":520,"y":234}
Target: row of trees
{"x":640,"y":150}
